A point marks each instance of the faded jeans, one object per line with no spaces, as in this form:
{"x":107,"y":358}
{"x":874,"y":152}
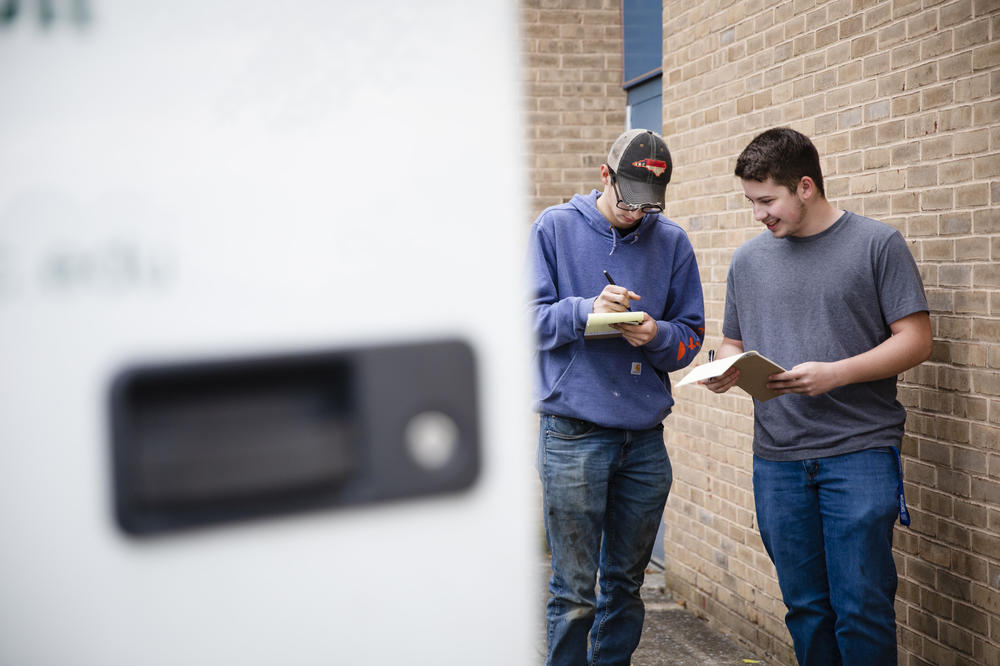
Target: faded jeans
{"x":603,"y":490}
{"x":827,"y":525}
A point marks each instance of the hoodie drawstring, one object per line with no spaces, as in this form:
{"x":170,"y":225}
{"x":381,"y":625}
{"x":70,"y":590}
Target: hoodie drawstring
{"x":614,"y":238}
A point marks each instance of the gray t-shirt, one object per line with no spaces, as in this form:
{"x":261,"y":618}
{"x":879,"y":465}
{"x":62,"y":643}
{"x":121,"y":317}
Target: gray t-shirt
{"x":823,"y":298}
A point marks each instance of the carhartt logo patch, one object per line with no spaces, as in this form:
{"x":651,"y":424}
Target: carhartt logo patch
{"x":656,"y":166}
{"x":637,"y":368}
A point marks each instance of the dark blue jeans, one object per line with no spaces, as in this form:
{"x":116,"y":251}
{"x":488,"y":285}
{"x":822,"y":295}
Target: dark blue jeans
{"x":603,"y":494}
{"x":827,"y":525}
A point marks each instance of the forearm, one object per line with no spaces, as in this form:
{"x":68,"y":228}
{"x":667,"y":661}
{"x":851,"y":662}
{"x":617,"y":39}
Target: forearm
{"x":729,"y":347}
{"x":909,"y":345}
{"x":559,"y":323}
{"x":674,"y":347}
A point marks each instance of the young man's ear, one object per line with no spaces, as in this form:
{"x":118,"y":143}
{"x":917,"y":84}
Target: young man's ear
{"x":807,"y":188}
{"x":605,"y":174}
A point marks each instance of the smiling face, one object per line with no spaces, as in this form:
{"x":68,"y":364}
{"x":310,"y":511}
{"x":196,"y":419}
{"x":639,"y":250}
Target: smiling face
{"x":783,"y":212}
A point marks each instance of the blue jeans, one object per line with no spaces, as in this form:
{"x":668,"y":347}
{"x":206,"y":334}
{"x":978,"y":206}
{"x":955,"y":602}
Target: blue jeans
{"x":603,"y":493}
{"x":827,"y":525}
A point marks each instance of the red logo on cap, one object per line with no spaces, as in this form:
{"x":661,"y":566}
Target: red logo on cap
{"x":656,"y":166}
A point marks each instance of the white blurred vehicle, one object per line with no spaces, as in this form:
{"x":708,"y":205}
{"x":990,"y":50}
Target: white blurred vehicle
{"x":263,"y":375}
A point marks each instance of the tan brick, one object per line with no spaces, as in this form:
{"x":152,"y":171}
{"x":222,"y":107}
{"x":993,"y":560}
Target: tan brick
{"x":921,"y":125}
{"x":955,"y":66}
{"x":955,"y":12}
{"x":936,"y":45}
{"x":921,"y":75}
{"x":863,"y":184}
{"x":851,"y":26}
{"x":903,"y":8}
{"x":891,"y":132}
{"x":825,"y":36}
{"x":972,"y":249}
{"x":955,"y":172}
{"x":985,"y":491}
{"x":906,"y":105}
{"x":977,"y":194}
{"x":877,"y":158}
{"x":956,"y":276}
{"x":972,"y":89}
{"x":986,"y":57}
{"x":957,"y":118}
{"x":905,"y":55}
{"x":936,"y":97}
{"x":850,"y":163}
{"x":986,"y":222}
{"x":935,"y":147}
{"x":558,"y":75}
{"x":892,"y":35}
{"x":891,"y":84}
{"x":971,"y":142}
{"x":920,"y":176}
{"x":972,"y":34}
{"x":987,"y":166}
{"x":972,"y":515}
{"x":987,"y":437}
{"x":890,"y":181}
{"x":986,"y":275}
{"x":906,"y":202}
{"x":904,"y":154}
{"x":921,"y":24}
{"x":937,"y":250}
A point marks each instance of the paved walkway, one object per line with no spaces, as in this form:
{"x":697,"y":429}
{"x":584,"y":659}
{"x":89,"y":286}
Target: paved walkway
{"x":671,"y":635}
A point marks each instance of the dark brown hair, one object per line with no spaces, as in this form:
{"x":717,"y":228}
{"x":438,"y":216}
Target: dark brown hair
{"x":784,"y":156}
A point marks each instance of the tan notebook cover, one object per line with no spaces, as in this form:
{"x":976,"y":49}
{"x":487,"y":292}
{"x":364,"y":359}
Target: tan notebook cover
{"x":754,"y":371}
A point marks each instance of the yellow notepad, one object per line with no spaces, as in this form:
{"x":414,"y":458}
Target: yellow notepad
{"x":599,"y":323}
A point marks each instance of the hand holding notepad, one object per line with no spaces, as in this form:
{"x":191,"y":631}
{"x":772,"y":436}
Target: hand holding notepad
{"x":599,"y":323}
{"x":754,"y":371}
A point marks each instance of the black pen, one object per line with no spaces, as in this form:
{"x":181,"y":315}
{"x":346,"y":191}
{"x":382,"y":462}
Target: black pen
{"x":711,"y":357}
{"x":610,"y":281}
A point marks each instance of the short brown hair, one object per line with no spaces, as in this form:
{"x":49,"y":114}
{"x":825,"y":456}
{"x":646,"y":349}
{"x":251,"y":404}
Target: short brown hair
{"x":784,"y":156}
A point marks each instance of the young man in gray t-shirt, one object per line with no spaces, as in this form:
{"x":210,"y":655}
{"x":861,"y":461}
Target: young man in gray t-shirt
{"x":836,"y":298}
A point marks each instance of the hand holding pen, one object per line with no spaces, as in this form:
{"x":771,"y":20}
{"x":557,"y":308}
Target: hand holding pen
{"x":614,"y":298}
{"x":619,"y":299}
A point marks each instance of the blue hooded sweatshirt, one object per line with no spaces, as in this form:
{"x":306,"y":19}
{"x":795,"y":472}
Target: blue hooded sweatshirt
{"x":608,"y":381}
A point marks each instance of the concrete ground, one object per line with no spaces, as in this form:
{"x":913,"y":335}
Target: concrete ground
{"x":671,"y":635}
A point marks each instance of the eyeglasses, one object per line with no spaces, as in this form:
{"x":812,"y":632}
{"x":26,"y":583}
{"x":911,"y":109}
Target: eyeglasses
{"x":645,"y":208}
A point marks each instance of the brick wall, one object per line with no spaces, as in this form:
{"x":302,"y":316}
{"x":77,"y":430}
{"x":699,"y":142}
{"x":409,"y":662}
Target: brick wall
{"x":574,"y":103}
{"x":902,"y":98}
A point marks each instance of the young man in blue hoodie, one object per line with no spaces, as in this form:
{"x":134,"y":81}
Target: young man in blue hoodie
{"x":601,"y":456}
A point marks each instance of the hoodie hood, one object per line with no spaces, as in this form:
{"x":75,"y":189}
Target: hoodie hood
{"x":586,"y":204}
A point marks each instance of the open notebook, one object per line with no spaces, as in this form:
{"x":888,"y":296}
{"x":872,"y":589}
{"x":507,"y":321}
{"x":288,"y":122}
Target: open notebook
{"x":754,"y":371}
